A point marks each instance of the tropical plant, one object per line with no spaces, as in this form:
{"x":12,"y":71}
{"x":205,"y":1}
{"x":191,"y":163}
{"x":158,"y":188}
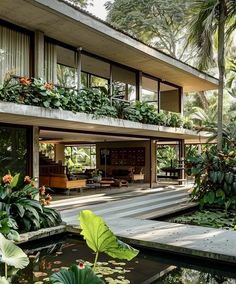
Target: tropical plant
{"x":18,"y":200}
{"x":215,"y":182}
{"x":95,"y":100}
{"x":209,"y":18}
{"x":81,"y":274}
{"x":11,"y":255}
{"x":8,"y":226}
{"x":143,"y":112}
{"x":101,"y":239}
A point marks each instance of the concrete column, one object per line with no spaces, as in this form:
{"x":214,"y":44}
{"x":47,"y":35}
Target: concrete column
{"x":154,"y":161}
{"x":39,"y":55}
{"x":59,"y":153}
{"x":139,"y":85}
{"x":35,"y":153}
{"x":111,"y":87}
{"x":181,"y":156}
{"x":79,"y":66}
{"x":158,"y":96}
{"x":181,"y":101}
{"x":150,"y":164}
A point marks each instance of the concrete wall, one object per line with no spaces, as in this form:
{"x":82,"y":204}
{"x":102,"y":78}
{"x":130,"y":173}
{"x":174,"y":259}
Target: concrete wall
{"x":126,"y":144}
{"x":59,"y":153}
{"x":35,"y":153}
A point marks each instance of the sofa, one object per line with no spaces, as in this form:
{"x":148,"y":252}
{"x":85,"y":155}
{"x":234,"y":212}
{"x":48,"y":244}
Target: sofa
{"x":61,"y":181}
{"x":132,"y":174}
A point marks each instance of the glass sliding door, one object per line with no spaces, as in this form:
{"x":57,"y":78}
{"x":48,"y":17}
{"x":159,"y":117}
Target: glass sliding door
{"x":14,"y":53}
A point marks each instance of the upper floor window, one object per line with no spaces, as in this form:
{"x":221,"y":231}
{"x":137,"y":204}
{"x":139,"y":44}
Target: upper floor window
{"x":170,"y":98}
{"x":124,"y":82}
{"x":149,"y":91}
{"x":60,"y":65}
{"x":14,"y":53}
{"x":95,"y":72}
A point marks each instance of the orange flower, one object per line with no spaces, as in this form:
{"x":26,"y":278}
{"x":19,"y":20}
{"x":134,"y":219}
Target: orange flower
{"x":49,"y":86}
{"x":42,"y":190}
{"x":48,"y":197}
{"x":25,"y":81}
{"x":43,"y":201}
{"x":7,"y":179}
{"x":27,"y":179}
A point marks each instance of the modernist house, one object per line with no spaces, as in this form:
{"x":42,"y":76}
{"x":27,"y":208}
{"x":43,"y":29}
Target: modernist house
{"x":51,"y":38}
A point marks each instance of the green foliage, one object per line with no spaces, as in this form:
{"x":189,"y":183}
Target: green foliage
{"x":96,"y":101}
{"x":215,"y":177}
{"x":76,"y":275}
{"x":208,"y":218}
{"x":11,"y":254}
{"x":25,"y":213}
{"x":8,"y":226}
{"x":156,"y":22}
{"x":101,"y":239}
{"x":166,"y":156}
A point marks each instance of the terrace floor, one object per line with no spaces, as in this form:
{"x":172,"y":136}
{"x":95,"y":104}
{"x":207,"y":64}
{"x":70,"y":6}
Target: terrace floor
{"x":128,"y":215}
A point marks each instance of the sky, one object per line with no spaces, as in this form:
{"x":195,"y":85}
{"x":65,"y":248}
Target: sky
{"x":98,"y":9}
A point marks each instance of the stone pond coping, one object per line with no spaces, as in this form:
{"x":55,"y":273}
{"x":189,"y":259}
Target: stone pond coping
{"x":196,"y":241}
{"x":42,"y":233}
{"x":188,"y":240}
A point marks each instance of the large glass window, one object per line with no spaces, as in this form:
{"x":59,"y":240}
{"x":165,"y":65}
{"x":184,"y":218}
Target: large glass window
{"x":124,"y":82}
{"x":95,"y":72}
{"x":14,"y":53}
{"x":169,"y":97}
{"x":60,"y":65}
{"x":149,"y":91}
{"x":13,"y":150}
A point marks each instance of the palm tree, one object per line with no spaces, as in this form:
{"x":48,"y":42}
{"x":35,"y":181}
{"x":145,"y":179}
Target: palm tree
{"x":211,"y":17}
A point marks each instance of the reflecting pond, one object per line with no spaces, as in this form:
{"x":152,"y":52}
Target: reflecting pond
{"x":49,"y":255}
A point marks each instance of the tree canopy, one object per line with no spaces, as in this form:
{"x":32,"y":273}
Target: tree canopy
{"x":160,"y":23}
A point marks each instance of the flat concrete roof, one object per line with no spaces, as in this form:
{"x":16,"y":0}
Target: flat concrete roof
{"x":86,"y":123}
{"x":79,"y":29}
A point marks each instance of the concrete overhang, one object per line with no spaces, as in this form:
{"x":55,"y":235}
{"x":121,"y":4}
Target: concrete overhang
{"x":86,"y":123}
{"x":79,"y":29}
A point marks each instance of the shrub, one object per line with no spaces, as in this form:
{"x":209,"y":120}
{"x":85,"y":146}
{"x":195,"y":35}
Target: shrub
{"x":18,"y":198}
{"x":95,"y":100}
{"x":215,"y":177}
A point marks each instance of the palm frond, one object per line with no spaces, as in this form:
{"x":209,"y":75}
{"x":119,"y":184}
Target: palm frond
{"x":202,"y":28}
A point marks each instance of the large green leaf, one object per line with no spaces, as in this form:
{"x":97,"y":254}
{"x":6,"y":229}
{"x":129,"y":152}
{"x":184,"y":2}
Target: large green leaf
{"x":11,"y":254}
{"x":101,"y":239}
{"x":3,"y":280}
{"x":76,"y":275}
{"x":122,"y":250}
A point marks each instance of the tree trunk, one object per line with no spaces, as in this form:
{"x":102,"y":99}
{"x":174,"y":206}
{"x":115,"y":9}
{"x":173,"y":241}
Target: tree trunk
{"x":221,"y":67}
